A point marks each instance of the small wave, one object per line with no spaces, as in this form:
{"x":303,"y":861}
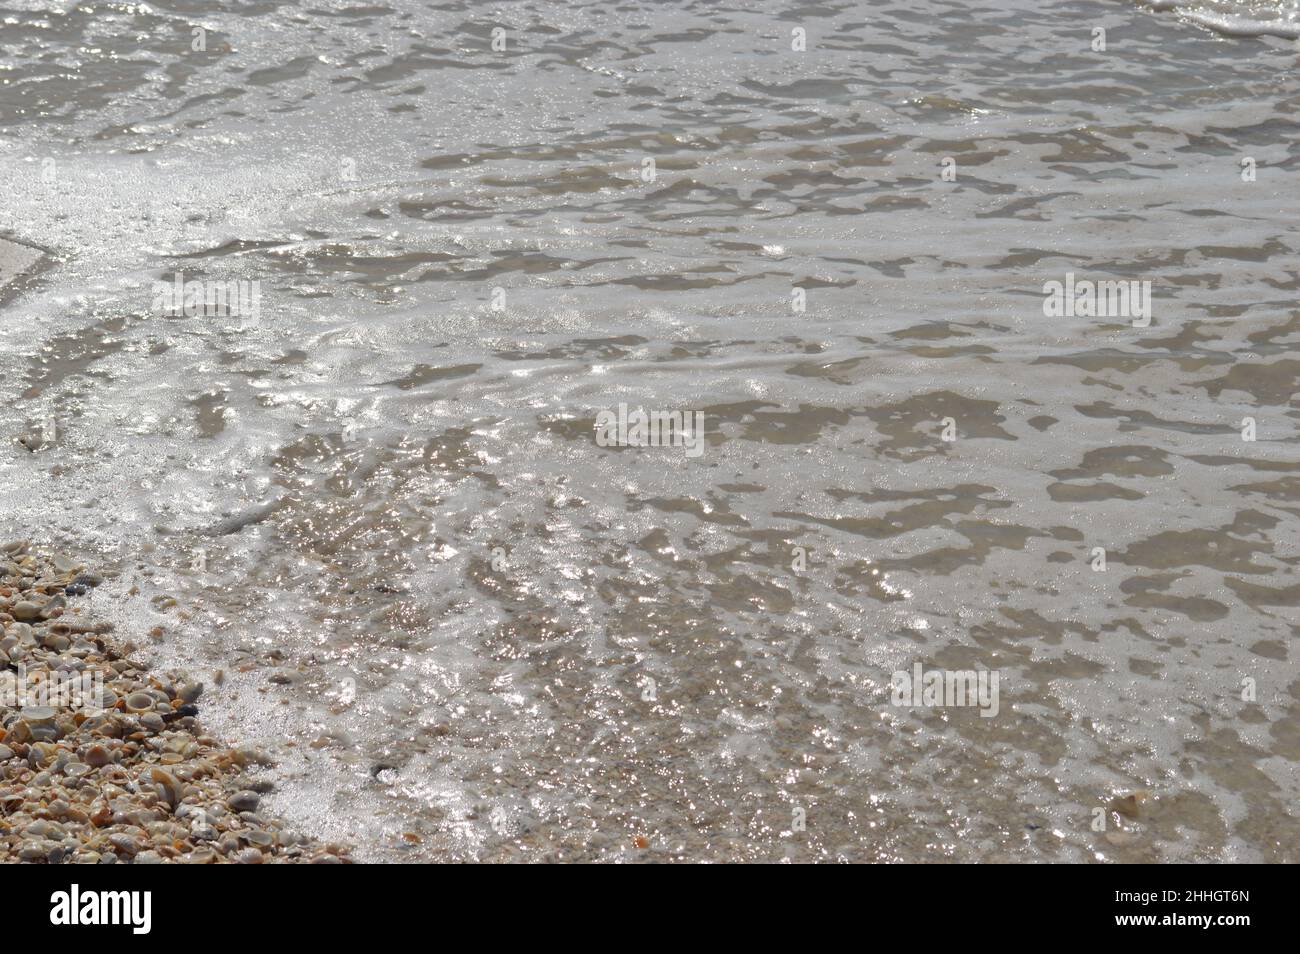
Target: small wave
{"x":1239,"y":19}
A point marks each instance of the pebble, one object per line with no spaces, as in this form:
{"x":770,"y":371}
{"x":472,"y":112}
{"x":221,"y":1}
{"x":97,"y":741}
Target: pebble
{"x":243,"y":801}
{"x":25,"y":611}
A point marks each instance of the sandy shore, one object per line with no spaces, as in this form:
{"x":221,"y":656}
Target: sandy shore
{"x":102,"y":761}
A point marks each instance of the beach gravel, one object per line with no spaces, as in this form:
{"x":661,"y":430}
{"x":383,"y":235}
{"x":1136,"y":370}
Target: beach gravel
{"x":102,"y":760}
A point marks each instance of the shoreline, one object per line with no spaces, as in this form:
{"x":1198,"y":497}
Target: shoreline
{"x":118,"y":768}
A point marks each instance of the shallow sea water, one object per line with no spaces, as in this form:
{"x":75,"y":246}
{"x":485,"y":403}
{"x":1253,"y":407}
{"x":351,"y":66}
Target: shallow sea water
{"x":467,"y":631}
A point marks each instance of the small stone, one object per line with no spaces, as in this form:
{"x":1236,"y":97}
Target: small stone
{"x":1129,"y":805}
{"x":26,"y":611}
{"x":244,"y":801}
{"x":57,"y":641}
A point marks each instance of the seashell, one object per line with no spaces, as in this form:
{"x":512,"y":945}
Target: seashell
{"x":127,"y":844}
{"x":139,"y":701}
{"x":152,"y":721}
{"x":40,"y":755}
{"x":168,"y":787}
{"x":34,"y":724}
{"x":94,"y":724}
{"x":38,"y":715}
